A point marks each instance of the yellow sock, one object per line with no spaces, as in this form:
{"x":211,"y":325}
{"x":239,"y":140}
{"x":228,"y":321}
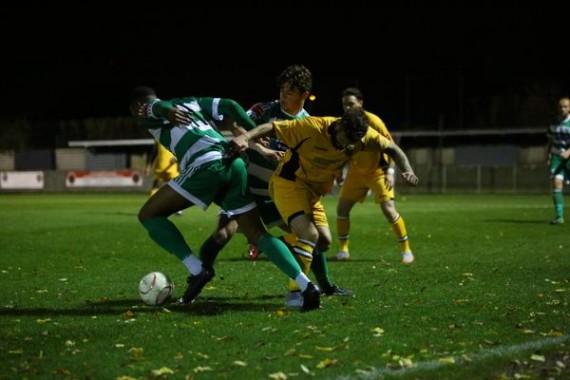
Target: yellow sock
{"x":342,"y":229}
{"x":303,"y":251}
{"x":399,"y":228}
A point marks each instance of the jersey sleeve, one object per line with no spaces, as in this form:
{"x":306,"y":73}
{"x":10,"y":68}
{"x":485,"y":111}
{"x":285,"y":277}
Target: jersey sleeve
{"x":292,"y":132}
{"x":261,"y":112}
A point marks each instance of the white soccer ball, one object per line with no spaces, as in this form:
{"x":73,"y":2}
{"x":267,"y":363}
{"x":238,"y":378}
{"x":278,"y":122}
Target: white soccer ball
{"x":156,"y":288}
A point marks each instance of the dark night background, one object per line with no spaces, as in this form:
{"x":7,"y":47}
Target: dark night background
{"x":420,"y":69}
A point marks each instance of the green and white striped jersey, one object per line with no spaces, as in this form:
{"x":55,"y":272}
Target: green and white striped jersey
{"x":194,"y":144}
{"x":559,"y":135}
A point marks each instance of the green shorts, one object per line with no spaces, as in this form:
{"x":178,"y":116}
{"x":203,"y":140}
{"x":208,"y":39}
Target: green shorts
{"x":268,"y":211}
{"x":221,"y":182}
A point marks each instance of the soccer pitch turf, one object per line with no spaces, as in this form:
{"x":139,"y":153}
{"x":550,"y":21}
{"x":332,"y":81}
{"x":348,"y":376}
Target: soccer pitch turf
{"x":486,"y":298}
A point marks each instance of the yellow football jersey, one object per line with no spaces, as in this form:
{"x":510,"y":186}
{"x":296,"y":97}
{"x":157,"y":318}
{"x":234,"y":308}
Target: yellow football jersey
{"x":311,"y":156}
{"x":368,"y":161}
{"x":166,"y":162}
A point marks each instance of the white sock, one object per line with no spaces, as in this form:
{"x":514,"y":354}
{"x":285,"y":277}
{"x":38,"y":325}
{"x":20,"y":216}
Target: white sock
{"x":302,"y":280}
{"x":193,"y":264}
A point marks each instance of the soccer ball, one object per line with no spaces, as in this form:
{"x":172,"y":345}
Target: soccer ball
{"x":155,"y":288}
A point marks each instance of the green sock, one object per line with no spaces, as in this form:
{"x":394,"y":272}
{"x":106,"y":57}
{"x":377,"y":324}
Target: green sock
{"x":209,"y":251}
{"x":165,"y":234}
{"x":558,"y":199}
{"x":280,"y":255}
{"x":320,"y":269}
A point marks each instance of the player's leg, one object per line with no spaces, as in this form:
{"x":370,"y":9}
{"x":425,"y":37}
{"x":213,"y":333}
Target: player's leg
{"x":154,"y":217}
{"x":294,"y":202}
{"x":384,"y":196}
{"x":239,"y":201}
{"x":398,"y":225}
{"x":319,"y":265}
{"x":187,"y":189}
{"x":353,"y":190}
{"x":226,"y":228}
{"x":557,"y":176}
{"x":270,"y":217}
{"x":343,"y":209}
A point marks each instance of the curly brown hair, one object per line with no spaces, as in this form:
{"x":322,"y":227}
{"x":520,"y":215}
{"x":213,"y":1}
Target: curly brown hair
{"x":298,"y":76}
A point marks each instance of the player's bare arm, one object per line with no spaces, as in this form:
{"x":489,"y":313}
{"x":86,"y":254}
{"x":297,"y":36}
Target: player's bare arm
{"x":240,"y":143}
{"x":401,"y":160}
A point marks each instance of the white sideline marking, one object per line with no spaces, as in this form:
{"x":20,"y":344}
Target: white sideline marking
{"x":479,"y":356}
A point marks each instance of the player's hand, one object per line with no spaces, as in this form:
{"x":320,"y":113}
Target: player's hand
{"x":410,"y":178}
{"x":178,"y":117}
{"x":238,"y":144}
{"x":270,"y":154}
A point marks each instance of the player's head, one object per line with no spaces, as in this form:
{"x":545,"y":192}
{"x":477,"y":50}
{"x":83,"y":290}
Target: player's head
{"x":352,"y":97}
{"x":140,"y":95}
{"x":564,"y":107}
{"x":350,"y":128}
{"x":295,"y":84}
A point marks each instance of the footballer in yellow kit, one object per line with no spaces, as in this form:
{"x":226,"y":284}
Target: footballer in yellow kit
{"x":308,"y":170}
{"x":369,"y":171}
{"x":318,"y":148}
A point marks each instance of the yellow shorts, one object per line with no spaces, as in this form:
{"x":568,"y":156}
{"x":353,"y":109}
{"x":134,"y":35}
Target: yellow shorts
{"x":296,"y":197}
{"x":167,"y":174}
{"x":356,"y":186}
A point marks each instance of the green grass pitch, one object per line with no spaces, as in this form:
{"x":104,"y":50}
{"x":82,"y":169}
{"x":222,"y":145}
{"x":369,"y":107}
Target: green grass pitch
{"x":487,"y":297}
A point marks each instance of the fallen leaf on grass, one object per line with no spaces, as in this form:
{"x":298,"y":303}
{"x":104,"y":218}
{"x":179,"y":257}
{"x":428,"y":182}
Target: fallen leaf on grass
{"x":327,"y":363}
{"x":125,"y":378}
{"x":537,"y":358}
{"x":136,"y":351}
{"x":202,"y":369}
{"x":377,"y":331}
{"x":42,"y":321}
{"x":128,"y":314}
{"x":324,"y":349}
{"x":239,"y":363}
{"x":163,"y":371}
{"x":447,"y":360}
{"x":291,"y":352}
{"x":278,"y":376}
{"x":305,"y":369}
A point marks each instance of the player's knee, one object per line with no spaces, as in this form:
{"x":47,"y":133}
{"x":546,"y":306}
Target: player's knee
{"x":222,"y":236}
